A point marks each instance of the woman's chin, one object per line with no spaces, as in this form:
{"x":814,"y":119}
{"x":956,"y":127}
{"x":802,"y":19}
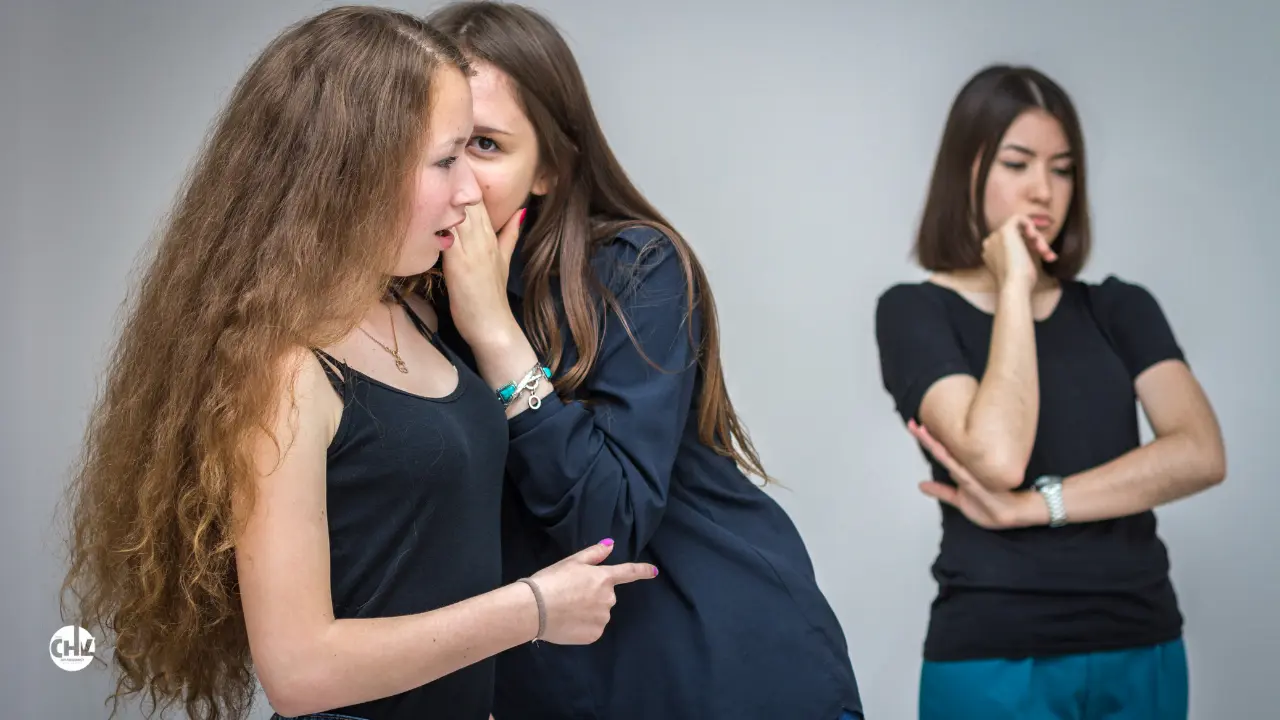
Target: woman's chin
{"x":420,"y":263}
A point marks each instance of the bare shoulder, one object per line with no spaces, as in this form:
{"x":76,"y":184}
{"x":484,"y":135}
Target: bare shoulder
{"x":301,"y":420}
{"x":305,"y":397}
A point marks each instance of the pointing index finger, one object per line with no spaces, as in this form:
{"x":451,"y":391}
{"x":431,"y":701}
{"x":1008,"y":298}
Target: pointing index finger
{"x":631,"y":572}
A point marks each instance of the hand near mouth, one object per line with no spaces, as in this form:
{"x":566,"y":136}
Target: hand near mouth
{"x":475,"y":267}
{"x":1008,"y":252}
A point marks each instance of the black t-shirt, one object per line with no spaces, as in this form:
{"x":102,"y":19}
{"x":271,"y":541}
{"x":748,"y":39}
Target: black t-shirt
{"x":1037,"y":592}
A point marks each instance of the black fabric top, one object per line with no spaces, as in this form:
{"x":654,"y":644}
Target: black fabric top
{"x":1035,"y":592}
{"x":734,"y":626}
{"x":414,"y":505}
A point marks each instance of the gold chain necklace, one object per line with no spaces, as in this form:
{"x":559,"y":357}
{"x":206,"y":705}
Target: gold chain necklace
{"x":394,"y":352}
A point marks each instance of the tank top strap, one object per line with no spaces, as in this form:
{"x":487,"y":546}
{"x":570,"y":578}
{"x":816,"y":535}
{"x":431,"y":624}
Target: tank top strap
{"x":417,"y":321}
{"x":336,"y":370}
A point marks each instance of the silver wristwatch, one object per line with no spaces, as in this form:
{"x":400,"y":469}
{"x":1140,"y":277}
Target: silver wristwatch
{"x":1050,"y":488}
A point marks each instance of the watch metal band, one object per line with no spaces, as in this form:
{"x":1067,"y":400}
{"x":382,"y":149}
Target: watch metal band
{"x":1050,"y":488}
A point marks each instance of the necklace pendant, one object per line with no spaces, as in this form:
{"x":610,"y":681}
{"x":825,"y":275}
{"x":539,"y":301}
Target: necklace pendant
{"x":401,"y":366}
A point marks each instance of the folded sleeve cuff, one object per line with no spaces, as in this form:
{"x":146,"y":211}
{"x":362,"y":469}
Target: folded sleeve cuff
{"x":530,"y":419}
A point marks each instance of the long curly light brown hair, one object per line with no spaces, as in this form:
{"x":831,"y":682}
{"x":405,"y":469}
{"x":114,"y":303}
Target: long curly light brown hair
{"x":280,"y":238}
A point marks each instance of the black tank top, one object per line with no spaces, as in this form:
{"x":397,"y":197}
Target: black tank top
{"x":414,"y":500}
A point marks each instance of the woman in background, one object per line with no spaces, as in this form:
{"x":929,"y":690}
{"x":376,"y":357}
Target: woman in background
{"x":633,"y":434}
{"x":1054,"y":599}
{"x":288,"y":473}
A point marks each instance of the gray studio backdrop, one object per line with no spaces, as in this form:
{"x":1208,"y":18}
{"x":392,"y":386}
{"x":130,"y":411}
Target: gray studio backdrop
{"x":791,"y":143}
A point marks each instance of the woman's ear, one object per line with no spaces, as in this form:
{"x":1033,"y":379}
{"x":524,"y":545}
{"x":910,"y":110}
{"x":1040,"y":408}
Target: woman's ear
{"x":543,"y":183}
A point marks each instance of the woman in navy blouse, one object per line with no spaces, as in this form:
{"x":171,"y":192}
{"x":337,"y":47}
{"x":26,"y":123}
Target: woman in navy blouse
{"x":629,"y":432}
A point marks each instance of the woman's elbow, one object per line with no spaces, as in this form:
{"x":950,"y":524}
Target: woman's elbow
{"x":293,"y":696}
{"x":296,"y":687}
{"x":999,"y":466}
{"x":1203,"y":459}
{"x":1001,"y":472}
{"x":1007,"y":478}
{"x":282,"y":696}
{"x":1215,"y":464}
{"x":287,"y":707}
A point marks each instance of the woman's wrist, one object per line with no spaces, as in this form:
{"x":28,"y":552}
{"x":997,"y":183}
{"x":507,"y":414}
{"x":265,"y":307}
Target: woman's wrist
{"x":531,"y":611}
{"x":1032,"y":509}
{"x":1016,"y":287}
{"x":504,"y":356}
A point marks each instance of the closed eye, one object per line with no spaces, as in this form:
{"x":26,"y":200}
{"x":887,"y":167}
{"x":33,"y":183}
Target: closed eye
{"x":1066,"y":172}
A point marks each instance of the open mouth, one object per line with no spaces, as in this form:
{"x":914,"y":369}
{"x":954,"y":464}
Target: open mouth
{"x":446,"y":237}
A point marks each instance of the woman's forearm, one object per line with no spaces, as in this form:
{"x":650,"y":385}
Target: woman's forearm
{"x":1000,"y":426}
{"x":1162,"y":471}
{"x":358,"y":660}
{"x":1167,"y":469}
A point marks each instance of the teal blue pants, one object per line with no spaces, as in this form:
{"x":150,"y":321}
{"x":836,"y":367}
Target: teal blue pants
{"x":1140,"y":684}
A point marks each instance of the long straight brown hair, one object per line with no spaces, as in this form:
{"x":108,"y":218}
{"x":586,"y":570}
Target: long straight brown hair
{"x":590,"y":201}
{"x":280,"y":239}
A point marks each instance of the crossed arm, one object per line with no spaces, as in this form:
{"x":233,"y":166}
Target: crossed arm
{"x":982,"y":430}
{"x":1187,"y":456}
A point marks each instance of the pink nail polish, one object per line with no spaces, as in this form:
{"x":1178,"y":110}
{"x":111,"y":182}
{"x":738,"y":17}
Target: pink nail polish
{"x":655,"y":572}
{"x":523,"y":211}
{"x":607,"y":542}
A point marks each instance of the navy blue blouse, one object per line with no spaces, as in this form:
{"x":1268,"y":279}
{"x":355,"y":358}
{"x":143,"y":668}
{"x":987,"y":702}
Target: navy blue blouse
{"x":734,"y":626}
